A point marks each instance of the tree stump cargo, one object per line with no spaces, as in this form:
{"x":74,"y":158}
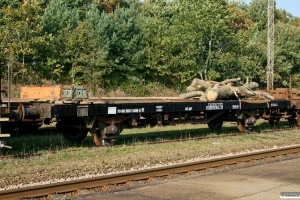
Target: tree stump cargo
{"x":227,"y":89}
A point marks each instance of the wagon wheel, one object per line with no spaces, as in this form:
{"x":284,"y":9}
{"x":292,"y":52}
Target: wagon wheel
{"x":293,"y":123}
{"x":215,"y":124}
{"x":29,"y":126}
{"x":243,"y":128}
{"x":101,"y":138}
{"x":274,"y":121}
{"x":75,"y":135}
{"x":73,"y":130}
{"x":298,"y":120}
{"x":8,"y":127}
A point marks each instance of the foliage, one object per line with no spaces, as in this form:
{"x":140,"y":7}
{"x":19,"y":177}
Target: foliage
{"x":287,"y":55}
{"x":21,"y":38}
{"x":130,"y":46}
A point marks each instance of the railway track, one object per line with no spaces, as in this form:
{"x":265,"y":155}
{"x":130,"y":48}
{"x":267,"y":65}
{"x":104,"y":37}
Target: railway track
{"x":128,"y":179}
{"x":156,"y":140}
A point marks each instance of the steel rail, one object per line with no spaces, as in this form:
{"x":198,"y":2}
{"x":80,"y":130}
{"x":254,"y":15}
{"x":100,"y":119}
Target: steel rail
{"x":126,"y":178}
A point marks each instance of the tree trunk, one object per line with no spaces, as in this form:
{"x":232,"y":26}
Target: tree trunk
{"x":200,"y":85}
{"x":191,"y":94}
{"x":224,"y":91}
{"x":260,"y":94}
{"x":233,"y":80}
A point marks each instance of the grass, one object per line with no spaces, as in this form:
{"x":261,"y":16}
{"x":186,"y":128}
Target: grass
{"x":54,"y":141}
{"x":59,"y":161}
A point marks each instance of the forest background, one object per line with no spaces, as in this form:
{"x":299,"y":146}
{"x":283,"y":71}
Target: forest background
{"x":150,"y":48}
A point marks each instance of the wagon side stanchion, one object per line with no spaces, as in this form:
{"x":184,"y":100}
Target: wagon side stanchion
{"x":4,"y":108}
{"x":3,"y":135}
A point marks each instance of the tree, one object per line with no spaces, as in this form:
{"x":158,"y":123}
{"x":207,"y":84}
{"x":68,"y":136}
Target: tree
{"x":117,"y":40}
{"x":158,"y":14}
{"x":189,"y":38}
{"x":58,"y":22}
{"x":257,"y":11}
{"x":20,"y":33}
{"x":287,"y":54}
{"x":58,"y":17}
{"x":245,"y":58}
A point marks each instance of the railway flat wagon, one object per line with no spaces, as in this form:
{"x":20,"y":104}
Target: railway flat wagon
{"x":105,"y":118}
{"x":77,"y":114}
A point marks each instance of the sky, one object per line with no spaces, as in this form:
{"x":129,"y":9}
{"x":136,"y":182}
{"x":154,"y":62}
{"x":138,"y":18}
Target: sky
{"x":291,"y":6}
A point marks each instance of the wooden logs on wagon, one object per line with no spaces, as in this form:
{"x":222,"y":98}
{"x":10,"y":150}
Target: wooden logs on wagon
{"x":229,"y":88}
{"x":191,"y":94}
{"x":225,"y":91}
{"x":199,"y":85}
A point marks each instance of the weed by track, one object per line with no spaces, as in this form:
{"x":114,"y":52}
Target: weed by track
{"x":50,"y":141}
